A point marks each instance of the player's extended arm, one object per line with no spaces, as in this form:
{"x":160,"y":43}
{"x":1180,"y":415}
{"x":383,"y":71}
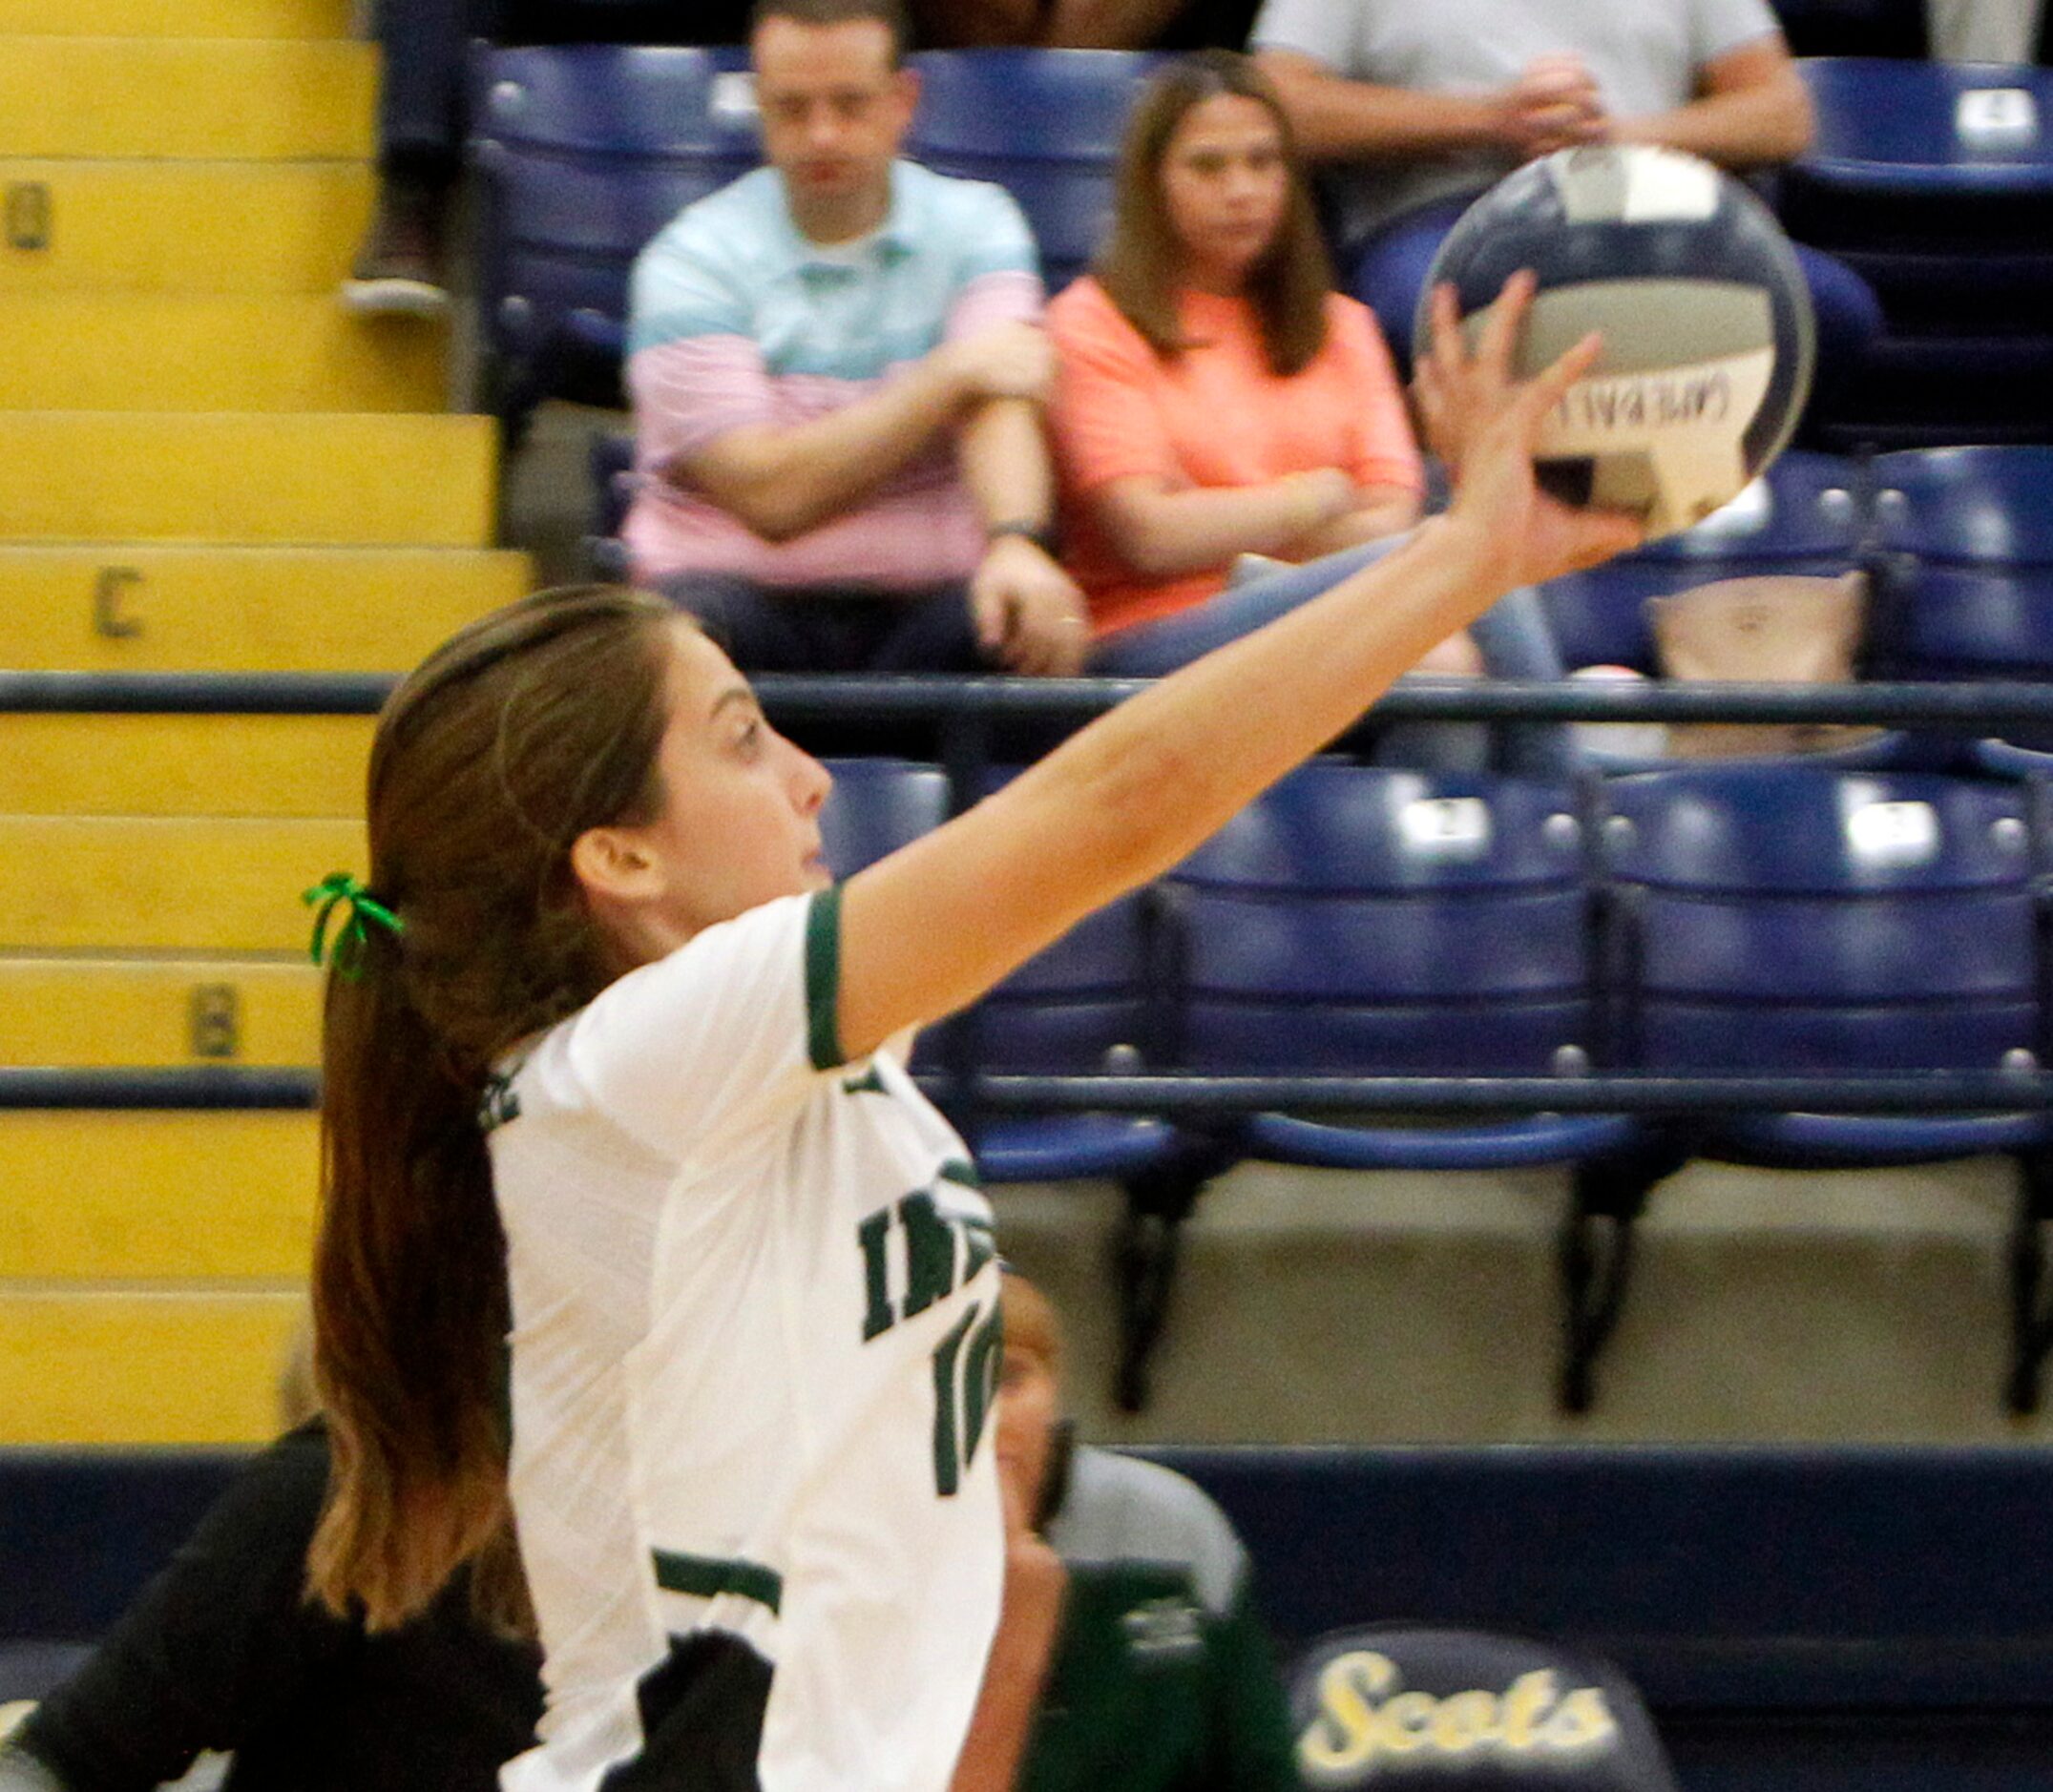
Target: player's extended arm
{"x":929,"y":929}
{"x":1752,"y":109}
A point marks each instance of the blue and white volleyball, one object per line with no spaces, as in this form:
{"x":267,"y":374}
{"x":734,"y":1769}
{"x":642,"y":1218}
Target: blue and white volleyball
{"x":1709,"y":339}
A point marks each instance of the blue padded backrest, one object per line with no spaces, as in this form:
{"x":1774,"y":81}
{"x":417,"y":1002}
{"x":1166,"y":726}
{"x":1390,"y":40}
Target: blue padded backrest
{"x":879,"y":806}
{"x":1968,"y":534}
{"x":619,"y":100}
{"x":1044,"y":124}
{"x":1886,"y":133}
{"x":1978,"y":505}
{"x":1073,"y":1006}
{"x":1796,"y":918}
{"x":1802,"y":517}
{"x":1362,"y":919}
{"x":586,"y":152}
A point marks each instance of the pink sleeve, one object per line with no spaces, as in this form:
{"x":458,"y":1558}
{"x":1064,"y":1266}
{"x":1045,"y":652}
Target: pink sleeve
{"x":689,"y":392}
{"x":1008,"y":295}
{"x":1103,"y":418}
{"x":1385,"y":451}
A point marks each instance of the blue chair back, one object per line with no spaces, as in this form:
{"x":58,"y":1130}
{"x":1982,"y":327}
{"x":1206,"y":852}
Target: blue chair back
{"x":879,"y":806}
{"x":1360,"y":920}
{"x":1789,"y":918}
{"x":584,"y":153}
{"x":1080,"y":1006}
{"x":1044,"y":124}
{"x":1803,"y":516}
{"x":1968,"y":539}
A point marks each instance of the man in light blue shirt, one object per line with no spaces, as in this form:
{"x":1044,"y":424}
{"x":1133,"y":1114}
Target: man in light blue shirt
{"x":837,"y":372}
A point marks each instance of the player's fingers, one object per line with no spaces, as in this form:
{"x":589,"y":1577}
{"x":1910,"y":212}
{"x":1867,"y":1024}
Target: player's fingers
{"x":1599,"y":535}
{"x":1448,"y":350}
{"x":1545,"y":391}
{"x":1501,"y":332}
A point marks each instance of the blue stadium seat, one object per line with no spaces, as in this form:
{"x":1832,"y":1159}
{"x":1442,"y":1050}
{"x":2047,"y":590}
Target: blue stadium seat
{"x":584,"y":153}
{"x":879,"y":806}
{"x":1786,"y":919}
{"x":1968,"y":536}
{"x":1369,"y":922}
{"x":1803,"y":516}
{"x":1966,"y":563}
{"x":1044,"y":124}
{"x":1951,"y":230}
{"x":1081,"y":1007}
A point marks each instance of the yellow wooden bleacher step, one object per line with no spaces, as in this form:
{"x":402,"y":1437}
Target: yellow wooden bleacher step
{"x":178,"y":18}
{"x":123,"y":1367}
{"x":115,"y":884}
{"x":186,"y":97}
{"x":204,"y":352}
{"x":313,"y":478}
{"x":191,"y":227}
{"x":157,"y":1197}
{"x":217,"y":765}
{"x":143,"y":1013}
{"x":124,"y":608}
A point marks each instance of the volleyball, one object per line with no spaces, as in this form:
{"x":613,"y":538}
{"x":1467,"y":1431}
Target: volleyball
{"x":1709,"y":339}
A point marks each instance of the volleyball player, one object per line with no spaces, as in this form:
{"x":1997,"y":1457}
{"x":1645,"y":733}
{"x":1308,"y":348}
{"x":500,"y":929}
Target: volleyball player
{"x":614,"y":1071}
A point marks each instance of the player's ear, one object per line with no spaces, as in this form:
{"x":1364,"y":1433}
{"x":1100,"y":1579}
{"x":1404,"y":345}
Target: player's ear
{"x":615,"y":864}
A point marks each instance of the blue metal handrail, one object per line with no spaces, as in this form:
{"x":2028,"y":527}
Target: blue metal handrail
{"x":1978,"y":707}
{"x":1924,"y":1092}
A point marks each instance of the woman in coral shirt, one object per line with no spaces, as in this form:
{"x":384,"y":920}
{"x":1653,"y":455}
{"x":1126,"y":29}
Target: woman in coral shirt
{"x":1216,"y":398}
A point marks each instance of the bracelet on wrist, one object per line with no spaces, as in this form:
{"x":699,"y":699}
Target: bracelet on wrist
{"x":1040,"y":534}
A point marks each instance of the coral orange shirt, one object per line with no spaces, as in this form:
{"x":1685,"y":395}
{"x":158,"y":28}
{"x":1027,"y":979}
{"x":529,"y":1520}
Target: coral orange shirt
{"x":1213,"y":416}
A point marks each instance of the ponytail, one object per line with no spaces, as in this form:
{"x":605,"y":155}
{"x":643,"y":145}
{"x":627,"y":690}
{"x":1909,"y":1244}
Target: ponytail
{"x":409,"y":1307}
{"x":522,"y":732}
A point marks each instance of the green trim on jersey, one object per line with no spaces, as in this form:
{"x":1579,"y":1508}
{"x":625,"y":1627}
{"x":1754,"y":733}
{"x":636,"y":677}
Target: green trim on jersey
{"x":822,"y":980}
{"x":708,"y":1576}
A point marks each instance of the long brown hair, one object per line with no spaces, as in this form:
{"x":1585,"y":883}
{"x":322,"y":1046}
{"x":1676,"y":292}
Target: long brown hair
{"x":1140,"y":266}
{"x":521,"y":732}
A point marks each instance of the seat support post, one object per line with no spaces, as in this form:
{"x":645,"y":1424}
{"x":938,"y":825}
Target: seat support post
{"x":1145,"y":1255}
{"x":2031,"y":1311}
{"x":1594,"y":1253}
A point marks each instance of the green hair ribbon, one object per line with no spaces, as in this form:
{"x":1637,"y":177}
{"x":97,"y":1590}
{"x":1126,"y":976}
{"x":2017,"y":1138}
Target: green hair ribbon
{"x":353,"y":935}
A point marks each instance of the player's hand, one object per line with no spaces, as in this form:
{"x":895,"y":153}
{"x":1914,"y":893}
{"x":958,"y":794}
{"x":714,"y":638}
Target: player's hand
{"x":1029,"y":616}
{"x":1491,"y":422}
{"x":1007,"y":360}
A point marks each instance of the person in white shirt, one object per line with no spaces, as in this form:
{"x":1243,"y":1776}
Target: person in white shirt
{"x":614,"y":1075}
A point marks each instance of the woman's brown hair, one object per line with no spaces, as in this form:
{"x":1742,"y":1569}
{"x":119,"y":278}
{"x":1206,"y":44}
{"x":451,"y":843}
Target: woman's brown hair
{"x":521,"y":732}
{"x":1140,"y":266}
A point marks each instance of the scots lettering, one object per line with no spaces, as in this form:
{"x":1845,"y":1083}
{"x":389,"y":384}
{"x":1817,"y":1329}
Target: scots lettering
{"x":1366,"y":1716}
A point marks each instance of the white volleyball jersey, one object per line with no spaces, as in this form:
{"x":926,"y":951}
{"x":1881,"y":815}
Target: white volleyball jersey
{"x":755,"y":1349}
